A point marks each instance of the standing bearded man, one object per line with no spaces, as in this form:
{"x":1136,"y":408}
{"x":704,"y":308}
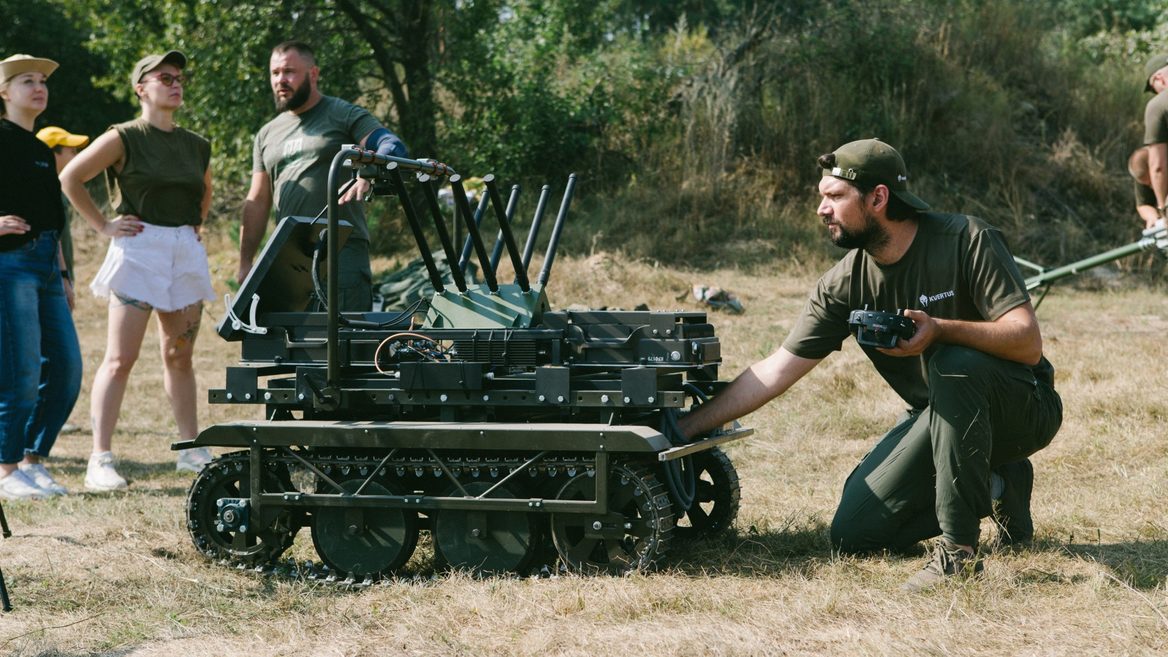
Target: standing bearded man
{"x":290,"y":162}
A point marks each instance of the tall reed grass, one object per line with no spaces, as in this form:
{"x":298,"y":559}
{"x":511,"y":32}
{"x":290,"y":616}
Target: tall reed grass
{"x":996,"y":106}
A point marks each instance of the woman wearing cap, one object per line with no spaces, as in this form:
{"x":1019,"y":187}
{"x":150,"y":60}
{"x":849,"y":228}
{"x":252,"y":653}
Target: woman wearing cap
{"x":40,"y":359}
{"x":155,"y":260}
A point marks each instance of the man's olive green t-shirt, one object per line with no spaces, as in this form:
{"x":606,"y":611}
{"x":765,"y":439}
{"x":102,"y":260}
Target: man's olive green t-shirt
{"x":162,"y":180}
{"x":958,"y":267}
{"x":1156,"y":120}
{"x":296,"y":151}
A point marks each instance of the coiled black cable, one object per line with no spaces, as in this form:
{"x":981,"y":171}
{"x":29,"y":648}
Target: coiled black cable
{"x":317,"y":288}
{"x":392,"y":322}
{"x":680,"y":477}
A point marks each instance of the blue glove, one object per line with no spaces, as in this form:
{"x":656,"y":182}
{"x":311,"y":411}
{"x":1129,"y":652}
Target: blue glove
{"x":384,"y":142}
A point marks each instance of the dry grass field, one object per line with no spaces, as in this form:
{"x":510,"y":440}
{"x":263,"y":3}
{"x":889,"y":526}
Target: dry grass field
{"x":117,"y":574}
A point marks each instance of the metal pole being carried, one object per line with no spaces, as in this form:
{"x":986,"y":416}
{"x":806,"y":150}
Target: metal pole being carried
{"x":1155,"y":237}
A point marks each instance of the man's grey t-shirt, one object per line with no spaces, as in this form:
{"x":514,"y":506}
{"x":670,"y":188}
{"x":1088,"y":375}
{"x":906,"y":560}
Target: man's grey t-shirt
{"x":296,"y":150}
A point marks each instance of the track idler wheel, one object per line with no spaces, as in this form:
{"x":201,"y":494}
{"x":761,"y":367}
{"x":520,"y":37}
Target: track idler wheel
{"x":487,"y":542}
{"x":364,"y":542}
{"x":716,"y":498}
{"x":633,"y":535}
{"x":241,"y":538}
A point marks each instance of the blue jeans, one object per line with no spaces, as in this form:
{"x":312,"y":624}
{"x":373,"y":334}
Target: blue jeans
{"x":40,"y":358}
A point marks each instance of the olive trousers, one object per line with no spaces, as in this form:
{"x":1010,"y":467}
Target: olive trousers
{"x":930,"y":475}
{"x":355,"y":279}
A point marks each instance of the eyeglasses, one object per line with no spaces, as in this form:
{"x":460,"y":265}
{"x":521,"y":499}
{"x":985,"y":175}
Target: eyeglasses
{"x":168,"y":80}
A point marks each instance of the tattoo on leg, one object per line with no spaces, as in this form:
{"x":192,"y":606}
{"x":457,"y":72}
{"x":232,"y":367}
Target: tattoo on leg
{"x":192,"y":330}
{"x":189,"y":334}
{"x":134,"y":303}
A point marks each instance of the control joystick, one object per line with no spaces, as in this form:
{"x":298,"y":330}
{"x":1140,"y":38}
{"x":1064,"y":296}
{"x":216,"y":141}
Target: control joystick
{"x":875,"y":328}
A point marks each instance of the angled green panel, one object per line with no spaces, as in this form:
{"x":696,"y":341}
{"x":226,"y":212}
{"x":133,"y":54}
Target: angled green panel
{"x":477,"y":308}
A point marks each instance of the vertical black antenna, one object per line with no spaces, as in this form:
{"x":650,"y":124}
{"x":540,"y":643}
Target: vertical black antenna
{"x":415,"y":226}
{"x":497,"y":251}
{"x":443,"y":234}
{"x":533,"y":233}
{"x":550,"y":257}
{"x":476,"y":238}
{"x":468,"y":244}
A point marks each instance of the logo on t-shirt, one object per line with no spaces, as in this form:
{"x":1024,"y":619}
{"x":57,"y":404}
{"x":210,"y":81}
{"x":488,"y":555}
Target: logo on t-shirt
{"x":926,"y":299}
{"x":292,"y":147}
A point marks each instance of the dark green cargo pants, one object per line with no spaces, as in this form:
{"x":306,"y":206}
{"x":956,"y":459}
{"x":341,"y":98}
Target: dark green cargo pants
{"x":356,"y":279}
{"x":355,"y":282}
{"x":930,"y":474}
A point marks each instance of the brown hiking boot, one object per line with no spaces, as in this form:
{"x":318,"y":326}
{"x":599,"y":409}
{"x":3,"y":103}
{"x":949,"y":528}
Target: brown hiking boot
{"x":948,"y":561}
{"x":1011,"y":512}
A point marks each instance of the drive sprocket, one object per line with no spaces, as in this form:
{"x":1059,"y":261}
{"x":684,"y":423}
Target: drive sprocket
{"x":262,"y":539}
{"x":633,"y":535}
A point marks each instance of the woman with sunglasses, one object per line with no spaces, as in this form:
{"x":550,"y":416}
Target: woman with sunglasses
{"x":155,"y":260}
{"x":40,"y":359}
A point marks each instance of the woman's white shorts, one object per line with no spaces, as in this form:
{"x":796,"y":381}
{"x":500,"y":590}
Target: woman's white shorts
{"x":162,"y":266}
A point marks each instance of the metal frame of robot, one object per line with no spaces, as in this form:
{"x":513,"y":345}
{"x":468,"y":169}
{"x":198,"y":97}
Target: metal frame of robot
{"x":599,"y":439}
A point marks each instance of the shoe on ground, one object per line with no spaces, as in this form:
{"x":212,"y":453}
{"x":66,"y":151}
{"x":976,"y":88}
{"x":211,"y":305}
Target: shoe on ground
{"x":1012,"y":509}
{"x":101,"y":476}
{"x":193,"y":459}
{"x":43,"y":480}
{"x":17,"y":486}
{"x":949,"y":562}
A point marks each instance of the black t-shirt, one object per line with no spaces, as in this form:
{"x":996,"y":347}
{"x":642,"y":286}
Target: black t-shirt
{"x":29,"y":187}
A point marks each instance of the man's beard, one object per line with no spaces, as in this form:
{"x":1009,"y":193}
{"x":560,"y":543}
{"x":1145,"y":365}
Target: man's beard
{"x":871,"y":236}
{"x":296,"y":100}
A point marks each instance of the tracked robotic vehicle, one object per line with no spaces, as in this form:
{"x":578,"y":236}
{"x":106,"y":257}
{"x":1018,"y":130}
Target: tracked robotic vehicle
{"x":518,"y":437}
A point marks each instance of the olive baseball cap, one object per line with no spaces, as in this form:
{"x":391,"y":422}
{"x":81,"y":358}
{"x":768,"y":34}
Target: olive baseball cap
{"x":151,"y":62}
{"x":1155,"y":63}
{"x":17,"y":64}
{"x":873,"y":162}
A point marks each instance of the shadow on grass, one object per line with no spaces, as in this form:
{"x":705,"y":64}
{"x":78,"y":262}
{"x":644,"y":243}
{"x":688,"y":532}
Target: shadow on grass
{"x":141,"y":472}
{"x":753,"y":552}
{"x":1141,"y":565}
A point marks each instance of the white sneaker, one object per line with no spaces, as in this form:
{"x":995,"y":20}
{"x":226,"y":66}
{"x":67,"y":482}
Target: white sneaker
{"x":100,"y":475}
{"x":17,"y":486}
{"x":193,"y":459}
{"x":41,"y":477}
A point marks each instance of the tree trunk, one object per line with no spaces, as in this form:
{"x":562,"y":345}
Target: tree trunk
{"x":401,"y":33}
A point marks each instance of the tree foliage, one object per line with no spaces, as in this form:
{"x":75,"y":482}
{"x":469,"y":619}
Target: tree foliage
{"x":702,"y":115}
{"x":43,"y":29}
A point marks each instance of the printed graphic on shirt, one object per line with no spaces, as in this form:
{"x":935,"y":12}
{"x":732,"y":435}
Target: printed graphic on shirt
{"x":292,"y":148}
{"x":926,"y":299}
